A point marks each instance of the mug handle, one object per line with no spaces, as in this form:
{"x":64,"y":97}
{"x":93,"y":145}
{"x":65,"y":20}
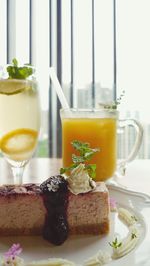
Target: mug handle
{"x":121,"y":165}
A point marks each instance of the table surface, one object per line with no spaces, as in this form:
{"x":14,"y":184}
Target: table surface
{"x":137,"y":175}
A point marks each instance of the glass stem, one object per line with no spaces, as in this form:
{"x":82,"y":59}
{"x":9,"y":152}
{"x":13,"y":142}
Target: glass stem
{"x":17,"y":174}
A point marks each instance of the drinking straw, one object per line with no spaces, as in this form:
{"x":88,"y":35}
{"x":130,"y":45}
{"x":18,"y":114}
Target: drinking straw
{"x":58,"y":88}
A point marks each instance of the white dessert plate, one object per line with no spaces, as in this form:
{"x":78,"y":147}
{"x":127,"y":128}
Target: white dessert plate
{"x":79,"y":249}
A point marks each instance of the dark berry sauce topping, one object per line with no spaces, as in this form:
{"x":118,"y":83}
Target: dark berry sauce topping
{"x":55,"y":196}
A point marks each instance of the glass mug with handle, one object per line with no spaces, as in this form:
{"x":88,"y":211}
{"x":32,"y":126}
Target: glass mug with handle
{"x":19,"y":116}
{"x":98,"y":127}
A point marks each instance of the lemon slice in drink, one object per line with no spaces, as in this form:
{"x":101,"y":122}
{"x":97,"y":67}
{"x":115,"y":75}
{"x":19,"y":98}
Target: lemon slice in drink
{"x":12,"y":86}
{"x":19,"y":142}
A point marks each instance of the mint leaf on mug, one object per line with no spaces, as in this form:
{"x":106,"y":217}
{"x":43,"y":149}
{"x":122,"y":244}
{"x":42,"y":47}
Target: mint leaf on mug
{"x":114,"y":104}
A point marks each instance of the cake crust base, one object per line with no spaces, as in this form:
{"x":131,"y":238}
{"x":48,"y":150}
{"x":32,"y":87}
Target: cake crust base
{"x":93,"y":229}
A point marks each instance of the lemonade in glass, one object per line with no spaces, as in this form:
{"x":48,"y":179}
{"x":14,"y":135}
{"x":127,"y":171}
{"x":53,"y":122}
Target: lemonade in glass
{"x":19,"y":116}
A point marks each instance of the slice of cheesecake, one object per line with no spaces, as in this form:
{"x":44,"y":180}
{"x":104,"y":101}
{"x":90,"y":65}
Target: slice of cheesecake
{"x":88,"y":213}
{"x":26,"y":209}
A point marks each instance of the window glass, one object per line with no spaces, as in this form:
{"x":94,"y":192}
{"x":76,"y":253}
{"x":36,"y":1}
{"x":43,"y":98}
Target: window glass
{"x":84,"y":61}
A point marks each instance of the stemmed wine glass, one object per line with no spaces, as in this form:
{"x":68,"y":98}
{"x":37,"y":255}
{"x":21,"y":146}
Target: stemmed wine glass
{"x":19,"y":116}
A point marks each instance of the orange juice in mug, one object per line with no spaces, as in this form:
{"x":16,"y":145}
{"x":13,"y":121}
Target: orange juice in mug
{"x":99,"y":129}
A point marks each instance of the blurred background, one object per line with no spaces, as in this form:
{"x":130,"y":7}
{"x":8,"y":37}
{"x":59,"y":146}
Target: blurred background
{"x":98,"y":48}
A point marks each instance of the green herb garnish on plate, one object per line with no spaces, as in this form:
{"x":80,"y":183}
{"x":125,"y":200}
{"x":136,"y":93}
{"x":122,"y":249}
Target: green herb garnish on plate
{"x":134,"y":218}
{"x":16,"y":72}
{"x":133,"y":235}
{"x":85,"y":154}
{"x":115,"y":244}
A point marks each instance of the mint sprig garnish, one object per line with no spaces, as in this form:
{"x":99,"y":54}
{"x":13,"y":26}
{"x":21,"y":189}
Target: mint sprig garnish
{"x":114,"y":104}
{"x":91,"y":168}
{"x":85,"y":154}
{"x":67,"y":169}
{"x":16,"y":72}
